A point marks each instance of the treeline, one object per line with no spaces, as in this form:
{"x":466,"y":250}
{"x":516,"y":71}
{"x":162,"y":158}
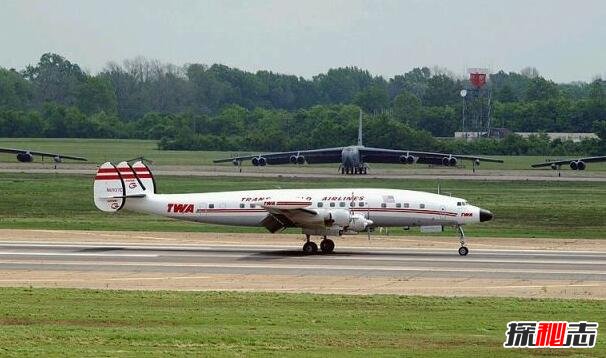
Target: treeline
{"x":217,"y":107}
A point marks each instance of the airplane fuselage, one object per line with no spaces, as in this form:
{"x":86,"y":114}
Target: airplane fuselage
{"x":351,"y":161}
{"x":318,"y":212}
{"x":398,"y":208}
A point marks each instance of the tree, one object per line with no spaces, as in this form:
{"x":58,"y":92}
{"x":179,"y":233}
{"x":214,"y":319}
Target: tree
{"x":56,"y":79}
{"x":372,"y":99}
{"x":596,"y":91}
{"x":540,"y":89}
{"x":96,"y":94}
{"x":15,"y":91}
{"x":407,"y":108}
{"x":599,"y":128}
{"x":441,"y":90}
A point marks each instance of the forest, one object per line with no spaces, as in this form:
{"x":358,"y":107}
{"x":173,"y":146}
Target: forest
{"x":216,"y":107}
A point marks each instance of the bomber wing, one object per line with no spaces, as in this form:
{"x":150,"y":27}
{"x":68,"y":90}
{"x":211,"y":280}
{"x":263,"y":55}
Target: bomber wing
{"x":42,"y":154}
{"x":568,"y":161}
{"x":381,"y":155}
{"x":314,"y":156}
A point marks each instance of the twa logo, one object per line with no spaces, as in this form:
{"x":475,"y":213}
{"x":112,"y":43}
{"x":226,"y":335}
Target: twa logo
{"x":180,"y":208}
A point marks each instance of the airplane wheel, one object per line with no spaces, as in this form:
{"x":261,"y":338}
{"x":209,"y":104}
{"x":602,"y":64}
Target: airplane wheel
{"x":463,"y":251}
{"x":327,"y":246}
{"x":342,"y":170}
{"x":310,"y":247}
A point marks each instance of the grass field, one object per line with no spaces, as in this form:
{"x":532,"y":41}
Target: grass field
{"x":61,"y":322}
{"x":522,"y":209}
{"x":102,"y":150}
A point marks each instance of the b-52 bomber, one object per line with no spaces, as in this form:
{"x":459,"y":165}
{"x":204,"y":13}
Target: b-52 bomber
{"x":26,"y":155}
{"x":574,"y":164}
{"x":354,"y":159}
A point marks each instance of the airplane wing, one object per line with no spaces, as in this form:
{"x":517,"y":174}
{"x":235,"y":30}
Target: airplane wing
{"x":289,"y":213}
{"x":568,"y":161}
{"x":314,"y":156}
{"x":381,"y":155}
{"x":42,"y":154}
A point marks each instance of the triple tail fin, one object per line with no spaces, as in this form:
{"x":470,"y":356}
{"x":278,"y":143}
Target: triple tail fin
{"x":114,"y":184}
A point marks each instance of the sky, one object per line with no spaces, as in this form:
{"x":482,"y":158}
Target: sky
{"x":564,"y":40}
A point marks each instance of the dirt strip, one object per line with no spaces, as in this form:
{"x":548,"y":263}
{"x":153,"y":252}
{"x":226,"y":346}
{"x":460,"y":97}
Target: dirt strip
{"x":462,"y":287}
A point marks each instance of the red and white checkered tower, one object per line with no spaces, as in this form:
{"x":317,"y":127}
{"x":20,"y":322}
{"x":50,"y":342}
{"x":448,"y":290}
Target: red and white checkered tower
{"x":476,"y":103}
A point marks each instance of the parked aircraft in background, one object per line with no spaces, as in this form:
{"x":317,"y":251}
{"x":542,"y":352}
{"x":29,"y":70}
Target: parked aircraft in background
{"x":319,"y":212}
{"x":26,"y":155}
{"x":575,"y":164}
{"x":354,"y":159}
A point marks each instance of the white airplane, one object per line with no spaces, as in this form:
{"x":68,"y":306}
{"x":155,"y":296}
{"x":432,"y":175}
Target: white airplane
{"x":319,"y":212}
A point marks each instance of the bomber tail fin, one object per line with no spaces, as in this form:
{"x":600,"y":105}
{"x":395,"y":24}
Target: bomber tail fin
{"x":360,"y":129}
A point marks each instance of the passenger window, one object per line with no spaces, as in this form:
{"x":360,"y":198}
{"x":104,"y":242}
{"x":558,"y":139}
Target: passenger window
{"x":422,"y":206}
{"x":406,"y":205}
{"x":383,"y":205}
{"x":352,"y":204}
{"x":459,"y":203}
{"x":320,"y":204}
{"x":252,"y":205}
{"x":398,"y":205}
{"x":242,"y":206}
{"x":211,"y":206}
{"x":332,"y":205}
{"x":342,"y":204}
{"x":361,"y":204}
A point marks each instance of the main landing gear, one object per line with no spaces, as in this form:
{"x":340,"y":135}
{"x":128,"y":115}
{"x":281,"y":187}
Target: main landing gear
{"x":463,"y":251}
{"x":327,"y":246}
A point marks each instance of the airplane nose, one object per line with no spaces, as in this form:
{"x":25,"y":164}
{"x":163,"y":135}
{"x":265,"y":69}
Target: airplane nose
{"x":485,"y":215}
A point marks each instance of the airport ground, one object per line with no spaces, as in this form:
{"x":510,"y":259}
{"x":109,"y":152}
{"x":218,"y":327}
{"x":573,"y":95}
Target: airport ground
{"x":116,"y":150}
{"x":79,"y":281}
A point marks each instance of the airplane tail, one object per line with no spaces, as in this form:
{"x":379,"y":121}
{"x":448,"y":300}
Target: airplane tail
{"x":114,"y":184}
{"x":360,"y":129}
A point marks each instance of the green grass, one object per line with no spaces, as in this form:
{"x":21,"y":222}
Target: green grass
{"x":59,"y":322}
{"x":102,"y":150}
{"x":522,"y":209}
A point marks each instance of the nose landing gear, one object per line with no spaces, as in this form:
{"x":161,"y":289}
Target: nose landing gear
{"x":463,"y":251}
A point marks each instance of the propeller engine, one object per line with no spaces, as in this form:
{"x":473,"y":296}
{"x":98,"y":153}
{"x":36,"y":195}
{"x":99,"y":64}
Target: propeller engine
{"x":25,"y":157}
{"x":57,"y":159}
{"x":359,"y":223}
{"x":336,"y":217}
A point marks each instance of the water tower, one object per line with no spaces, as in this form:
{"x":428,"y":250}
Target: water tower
{"x":476,"y":96}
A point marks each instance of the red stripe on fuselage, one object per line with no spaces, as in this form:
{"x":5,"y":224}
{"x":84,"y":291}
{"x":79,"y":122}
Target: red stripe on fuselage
{"x":124,"y":176}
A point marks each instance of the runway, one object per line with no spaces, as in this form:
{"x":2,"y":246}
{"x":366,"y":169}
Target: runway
{"x":320,"y":172}
{"x":361,"y":268}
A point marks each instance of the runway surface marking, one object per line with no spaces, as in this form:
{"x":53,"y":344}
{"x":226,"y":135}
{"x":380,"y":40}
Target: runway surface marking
{"x":267,"y":266}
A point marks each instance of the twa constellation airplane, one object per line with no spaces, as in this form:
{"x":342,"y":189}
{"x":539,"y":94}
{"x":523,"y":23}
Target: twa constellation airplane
{"x":320,"y":212}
